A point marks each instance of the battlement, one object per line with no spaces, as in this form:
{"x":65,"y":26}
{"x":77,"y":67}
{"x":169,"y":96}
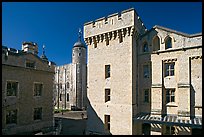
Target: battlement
{"x":113,"y":22}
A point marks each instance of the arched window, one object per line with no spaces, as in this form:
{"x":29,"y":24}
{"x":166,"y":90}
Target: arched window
{"x":168,"y":43}
{"x":156,"y":43}
{"x":145,"y":47}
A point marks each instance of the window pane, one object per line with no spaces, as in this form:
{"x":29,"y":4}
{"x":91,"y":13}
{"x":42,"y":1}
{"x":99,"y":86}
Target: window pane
{"x":145,"y":48}
{"x":107,"y":71}
{"x":172,"y":72}
{"x":172,"y":99}
{"x":11,"y":117}
{"x":146,"y":71}
{"x":172,"y":65}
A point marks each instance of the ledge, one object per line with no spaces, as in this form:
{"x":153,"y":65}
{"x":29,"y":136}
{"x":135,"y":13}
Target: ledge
{"x":171,"y":104}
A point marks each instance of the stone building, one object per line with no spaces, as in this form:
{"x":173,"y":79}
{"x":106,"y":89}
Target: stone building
{"x":27,"y":90}
{"x":142,"y":81}
{"x":71,"y":80}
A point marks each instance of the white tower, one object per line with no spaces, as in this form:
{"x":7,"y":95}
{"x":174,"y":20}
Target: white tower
{"x":79,"y":73}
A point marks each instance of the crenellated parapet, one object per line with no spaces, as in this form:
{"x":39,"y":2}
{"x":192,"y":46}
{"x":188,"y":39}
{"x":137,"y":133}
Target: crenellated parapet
{"x":114,"y":26}
{"x":112,"y":35}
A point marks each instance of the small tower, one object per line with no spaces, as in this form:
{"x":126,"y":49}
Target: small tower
{"x":30,"y":47}
{"x":79,"y":72}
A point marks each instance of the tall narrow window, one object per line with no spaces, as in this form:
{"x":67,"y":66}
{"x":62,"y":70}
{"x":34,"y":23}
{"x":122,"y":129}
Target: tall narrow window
{"x":37,"y":113}
{"x":107,"y":122}
{"x":60,"y":85}
{"x":60,"y":97}
{"x":168,"y":43}
{"x":146,"y":95}
{"x":146,"y":71}
{"x":67,"y":96}
{"x":169,"y":69}
{"x":145,"y":47}
{"x":156,"y":43}
{"x":12,"y":88}
{"x":37,"y":89}
{"x":107,"y":71}
{"x":11,"y":116}
{"x":170,"y":95}
{"x":107,"y":95}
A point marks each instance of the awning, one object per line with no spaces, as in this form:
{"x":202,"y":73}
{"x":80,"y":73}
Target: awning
{"x":170,"y":120}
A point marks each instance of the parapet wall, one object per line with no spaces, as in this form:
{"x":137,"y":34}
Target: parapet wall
{"x":112,"y":22}
{"x":125,"y":22}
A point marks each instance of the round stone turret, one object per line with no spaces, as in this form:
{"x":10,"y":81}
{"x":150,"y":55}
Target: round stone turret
{"x":79,"y":73}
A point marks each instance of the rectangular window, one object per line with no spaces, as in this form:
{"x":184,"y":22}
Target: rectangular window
{"x":11,"y":117}
{"x":107,"y":95}
{"x":37,"y":113}
{"x":30,"y":64}
{"x":169,"y":69}
{"x":12,"y":88}
{"x":38,"y":89}
{"x":67,"y":96}
{"x":146,"y":71}
{"x":170,"y":95}
{"x":60,"y":85}
{"x":60,"y":97}
{"x":146,"y":95}
{"x":107,"y":122}
{"x":107,"y":71}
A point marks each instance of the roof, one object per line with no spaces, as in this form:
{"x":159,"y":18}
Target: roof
{"x":169,"y":120}
{"x":14,"y":52}
{"x":177,"y":32}
{"x":79,"y":44}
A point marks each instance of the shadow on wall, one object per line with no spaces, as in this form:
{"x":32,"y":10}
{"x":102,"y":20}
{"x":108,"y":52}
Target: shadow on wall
{"x":95,"y":126}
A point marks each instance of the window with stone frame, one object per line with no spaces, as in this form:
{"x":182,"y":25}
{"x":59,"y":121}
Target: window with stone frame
{"x":37,"y":113}
{"x":12,"y":88}
{"x":146,"y":95}
{"x":107,"y":71}
{"x":170,"y":95}
{"x":38,"y":89}
{"x":169,"y":69}
{"x":168,"y":43}
{"x":107,"y":122}
{"x":11,"y":116}
{"x":107,"y":95}
{"x":146,"y":71}
{"x":156,"y":43}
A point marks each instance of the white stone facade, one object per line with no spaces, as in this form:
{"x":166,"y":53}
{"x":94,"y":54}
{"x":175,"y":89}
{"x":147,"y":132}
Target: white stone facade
{"x":118,"y":40}
{"x":70,"y":81}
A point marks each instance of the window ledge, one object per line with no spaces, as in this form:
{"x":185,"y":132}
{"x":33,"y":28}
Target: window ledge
{"x":168,"y":77}
{"x":171,"y":104}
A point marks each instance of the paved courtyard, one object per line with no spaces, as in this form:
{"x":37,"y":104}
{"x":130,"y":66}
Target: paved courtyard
{"x":72,"y":122}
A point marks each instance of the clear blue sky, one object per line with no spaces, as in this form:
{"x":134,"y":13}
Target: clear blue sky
{"x":56,"y":24}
